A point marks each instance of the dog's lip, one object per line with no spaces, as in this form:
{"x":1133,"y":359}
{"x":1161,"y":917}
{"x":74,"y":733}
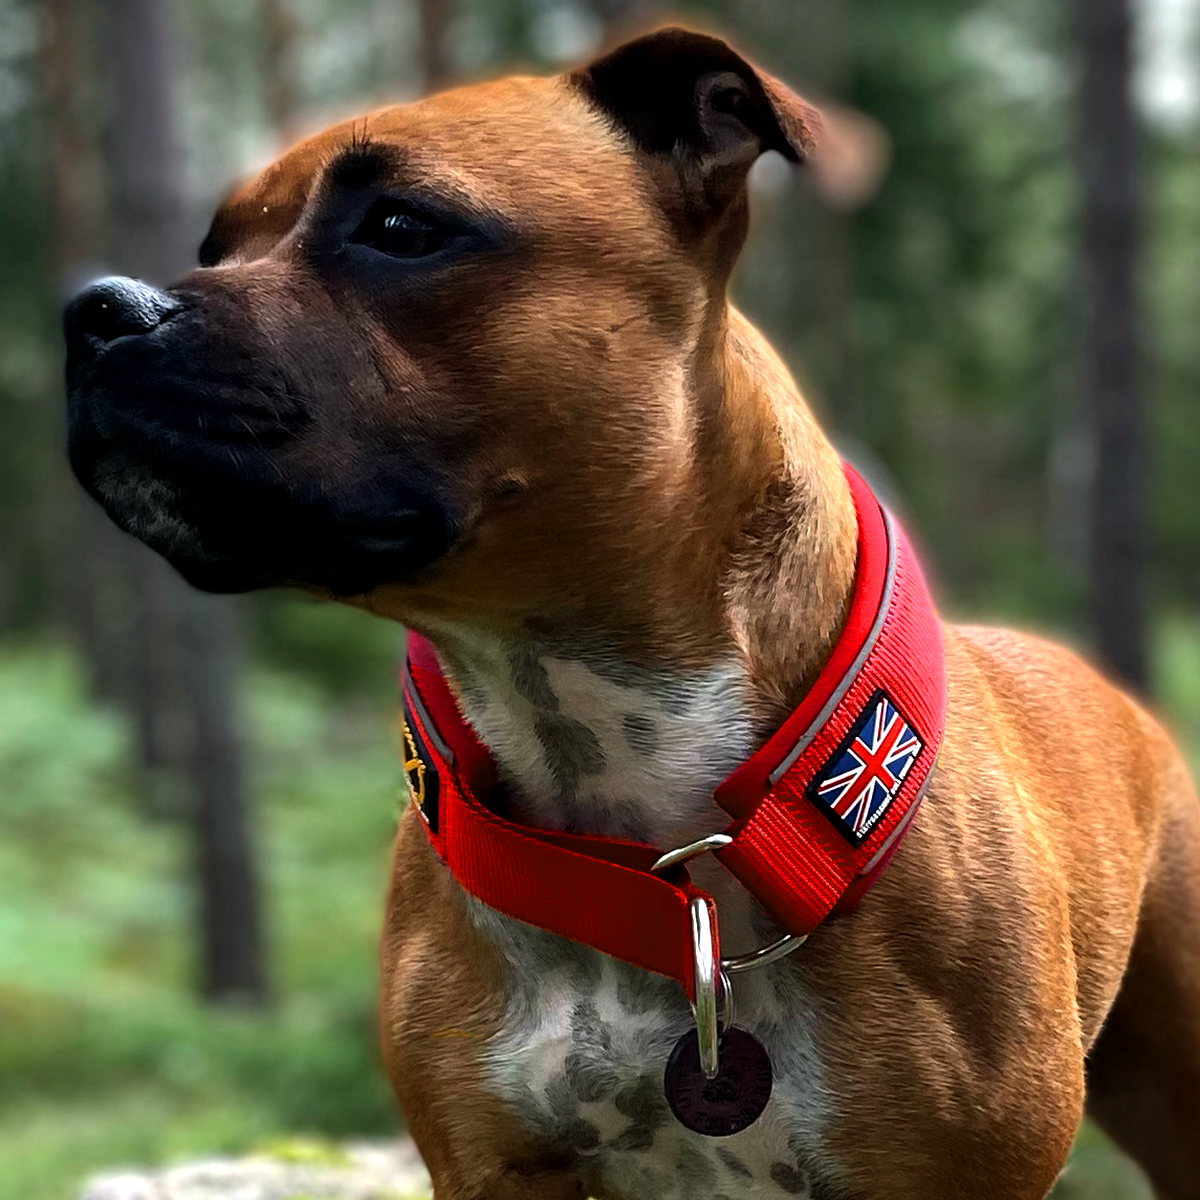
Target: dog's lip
{"x":168,"y":384}
{"x":219,"y":576}
{"x":191,"y":413}
{"x":394,"y":532}
{"x":369,"y":558}
{"x":344,"y":552}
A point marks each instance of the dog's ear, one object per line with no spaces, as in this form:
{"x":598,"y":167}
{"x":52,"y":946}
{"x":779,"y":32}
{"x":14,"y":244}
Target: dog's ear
{"x":851,"y":159}
{"x":693,"y":99}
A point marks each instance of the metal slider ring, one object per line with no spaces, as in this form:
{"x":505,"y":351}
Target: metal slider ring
{"x":676,"y":858}
{"x":762,"y":957}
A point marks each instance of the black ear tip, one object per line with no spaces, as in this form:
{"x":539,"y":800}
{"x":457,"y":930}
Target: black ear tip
{"x":668,"y":45}
{"x":680,"y":37}
{"x":676,"y":87}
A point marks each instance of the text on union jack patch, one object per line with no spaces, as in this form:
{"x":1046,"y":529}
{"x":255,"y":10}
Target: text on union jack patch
{"x":861,"y":778}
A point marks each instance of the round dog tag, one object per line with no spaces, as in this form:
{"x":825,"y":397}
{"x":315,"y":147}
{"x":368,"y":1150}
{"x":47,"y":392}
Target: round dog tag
{"x":731,"y":1102}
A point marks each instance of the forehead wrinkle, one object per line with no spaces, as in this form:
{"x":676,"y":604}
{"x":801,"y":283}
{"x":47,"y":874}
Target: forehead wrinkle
{"x":363,"y":163}
{"x":392,"y":166}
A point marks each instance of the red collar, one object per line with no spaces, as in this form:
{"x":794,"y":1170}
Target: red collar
{"x":817,"y":812}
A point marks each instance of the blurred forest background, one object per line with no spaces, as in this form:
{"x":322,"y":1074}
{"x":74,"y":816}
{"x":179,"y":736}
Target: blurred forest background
{"x":197,"y":795}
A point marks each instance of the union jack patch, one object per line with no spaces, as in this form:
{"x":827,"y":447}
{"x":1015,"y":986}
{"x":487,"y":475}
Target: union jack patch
{"x":861,"y":778}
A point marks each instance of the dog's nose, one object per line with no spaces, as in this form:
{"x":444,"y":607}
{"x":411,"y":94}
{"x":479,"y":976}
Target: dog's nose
{"x":113,"y":308}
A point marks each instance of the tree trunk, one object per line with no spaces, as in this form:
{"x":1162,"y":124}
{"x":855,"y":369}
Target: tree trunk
{"x":828,"y":26}
{"x":1110,"y":203}
{"x":74,"y":171}
{"x":86,"y":545}
{"x":231,"y":951}
{"x":281,"y":28}
{"x":433,"y":18}
{"x":184,"y":638}
{"x":148,"y":237}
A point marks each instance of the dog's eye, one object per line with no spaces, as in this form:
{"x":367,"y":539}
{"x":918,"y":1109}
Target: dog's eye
{"x":395,"y":230}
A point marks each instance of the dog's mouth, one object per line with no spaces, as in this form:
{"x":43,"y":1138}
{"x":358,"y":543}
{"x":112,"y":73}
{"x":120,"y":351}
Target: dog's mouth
{"x":230,"y":527}
{"x":237,"y":504}
{"x":235,"y":454}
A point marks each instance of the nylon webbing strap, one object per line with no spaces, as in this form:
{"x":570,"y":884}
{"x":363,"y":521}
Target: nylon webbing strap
{"x":597,"y":891}
{"x":786,"y":852}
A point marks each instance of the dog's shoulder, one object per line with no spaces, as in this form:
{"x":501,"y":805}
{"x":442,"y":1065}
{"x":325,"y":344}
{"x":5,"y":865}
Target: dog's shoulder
{"x":1037,"y":685}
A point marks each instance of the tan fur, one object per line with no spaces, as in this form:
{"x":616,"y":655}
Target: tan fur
{"x":638,"y":462}
{"x":443,"y":995}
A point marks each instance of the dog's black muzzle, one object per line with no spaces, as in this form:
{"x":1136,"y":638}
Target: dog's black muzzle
{"x":142,"y":363}
{"x":173,"y":402}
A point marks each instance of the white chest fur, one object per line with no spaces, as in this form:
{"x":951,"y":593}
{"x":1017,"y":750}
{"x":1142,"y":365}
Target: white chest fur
{"x":587,"y":744}
{"x":581,"y":1057}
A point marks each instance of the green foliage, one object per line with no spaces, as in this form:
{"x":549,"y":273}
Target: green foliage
{"x":327,"y":643}
{"x":105,"y":1057}
{"x":1177,"y":680}
{"x":1097,"y":1172}
{"x":310,"y":1151}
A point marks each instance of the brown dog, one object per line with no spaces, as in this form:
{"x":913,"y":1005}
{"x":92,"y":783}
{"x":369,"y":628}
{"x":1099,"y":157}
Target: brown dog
{"x":469,"y":363}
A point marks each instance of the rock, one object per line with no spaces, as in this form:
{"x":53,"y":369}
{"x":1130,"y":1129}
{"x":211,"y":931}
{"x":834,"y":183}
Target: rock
{"x":287,"y":1171}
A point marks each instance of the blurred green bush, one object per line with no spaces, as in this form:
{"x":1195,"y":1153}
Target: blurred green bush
{"x":105,"y":1057}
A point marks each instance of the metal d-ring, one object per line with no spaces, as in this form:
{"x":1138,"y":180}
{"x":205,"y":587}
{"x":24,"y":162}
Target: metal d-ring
{"x":713,"y":974}
{"x":705,"y":1007}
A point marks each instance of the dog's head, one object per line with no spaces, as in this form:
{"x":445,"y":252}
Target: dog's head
{"x":455,"y":346}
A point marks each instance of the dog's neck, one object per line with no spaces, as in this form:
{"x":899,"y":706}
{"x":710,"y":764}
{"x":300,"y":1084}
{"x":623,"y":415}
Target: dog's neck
{"x":588,"y":741}
{"x":591,"y":735}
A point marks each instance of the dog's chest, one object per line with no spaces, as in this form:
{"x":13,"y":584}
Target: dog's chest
{"x":580,"y":1060}
{"x":588,"y":744}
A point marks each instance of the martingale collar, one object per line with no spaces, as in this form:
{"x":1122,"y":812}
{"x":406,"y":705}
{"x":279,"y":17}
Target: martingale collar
{"x":817,"y":812}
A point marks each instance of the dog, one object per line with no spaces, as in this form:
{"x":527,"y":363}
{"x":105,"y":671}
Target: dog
{"x":469,"y":364}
